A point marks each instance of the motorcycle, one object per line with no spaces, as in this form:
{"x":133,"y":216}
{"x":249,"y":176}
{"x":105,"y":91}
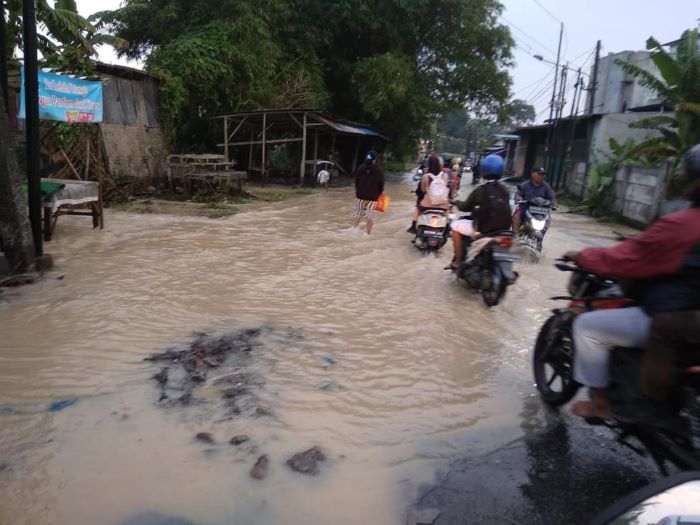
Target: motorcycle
{"x":534,"y":225}
{"x":431,"y":230}
{"x":676,"y":440}
{"x":488,"y":265}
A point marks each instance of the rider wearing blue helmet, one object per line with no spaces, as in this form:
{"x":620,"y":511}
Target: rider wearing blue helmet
{"x":491,"y":202}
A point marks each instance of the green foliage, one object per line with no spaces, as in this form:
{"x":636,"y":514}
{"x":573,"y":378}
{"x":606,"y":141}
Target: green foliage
{"x":601,"y":177}
{"x":69,"y":39}
{"x":679,"y":86}
{"x":396,"y":64}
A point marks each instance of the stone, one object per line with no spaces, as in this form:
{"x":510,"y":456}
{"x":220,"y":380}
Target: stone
{"x":205,"y":437}
{"x":259,"y":470}
{"x":238,"y":440}
{"x":307,"y":462}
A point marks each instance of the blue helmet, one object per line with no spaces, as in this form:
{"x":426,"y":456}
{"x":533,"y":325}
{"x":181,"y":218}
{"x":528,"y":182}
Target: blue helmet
{"x":492,"y":165}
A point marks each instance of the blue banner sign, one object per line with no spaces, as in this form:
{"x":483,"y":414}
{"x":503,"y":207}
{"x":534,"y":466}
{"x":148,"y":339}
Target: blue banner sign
{"x":66,"y":99}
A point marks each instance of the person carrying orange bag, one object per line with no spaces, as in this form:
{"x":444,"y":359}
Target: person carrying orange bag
{"x":382,"y":203}
{"x":369,"y":185}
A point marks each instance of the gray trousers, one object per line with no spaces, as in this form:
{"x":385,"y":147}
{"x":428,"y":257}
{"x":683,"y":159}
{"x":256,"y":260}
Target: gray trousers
{"x":596,"y":333}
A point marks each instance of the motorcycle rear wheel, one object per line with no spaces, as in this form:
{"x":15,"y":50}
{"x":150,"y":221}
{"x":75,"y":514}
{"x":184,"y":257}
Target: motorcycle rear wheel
{"x":493,"y":286}
{"x":553,"y":361}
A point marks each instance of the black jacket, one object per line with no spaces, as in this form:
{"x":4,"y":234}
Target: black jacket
{"x":369,"y":182}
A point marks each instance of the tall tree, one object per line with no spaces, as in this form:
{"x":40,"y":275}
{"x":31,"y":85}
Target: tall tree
{"x":395,"y":63}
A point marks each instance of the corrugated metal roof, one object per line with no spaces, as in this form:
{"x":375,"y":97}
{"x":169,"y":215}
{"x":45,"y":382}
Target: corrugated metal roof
{"x":346,"y":128}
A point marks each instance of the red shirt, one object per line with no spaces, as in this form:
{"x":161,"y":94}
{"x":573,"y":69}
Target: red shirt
{"x":659,"y":251}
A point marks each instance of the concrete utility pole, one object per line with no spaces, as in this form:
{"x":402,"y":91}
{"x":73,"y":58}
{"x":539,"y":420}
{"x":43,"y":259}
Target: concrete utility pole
{"x":3,"y":58}
{"x":594,"y":80}
{"x":31,"y":104}
{"x":554,"y":96}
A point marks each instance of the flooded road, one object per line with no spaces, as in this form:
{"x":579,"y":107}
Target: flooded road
{"x":367,"y":349}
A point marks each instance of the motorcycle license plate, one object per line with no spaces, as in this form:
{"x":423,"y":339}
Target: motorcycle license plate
{"x":539,"y":210}
{"x":431,"y":233}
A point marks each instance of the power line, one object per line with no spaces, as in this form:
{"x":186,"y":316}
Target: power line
{"x":527,"y":35}
{"x":538,"y":82}
{"x":548,"y":11}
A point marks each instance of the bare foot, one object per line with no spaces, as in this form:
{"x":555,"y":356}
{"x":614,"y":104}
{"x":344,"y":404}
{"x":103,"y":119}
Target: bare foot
{"x":590,"y":409}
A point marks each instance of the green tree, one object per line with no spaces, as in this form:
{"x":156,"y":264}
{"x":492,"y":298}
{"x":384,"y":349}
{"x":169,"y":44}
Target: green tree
{"x":396,"y":64}
{"x":519,"y":113}
{"x":678,"y":84}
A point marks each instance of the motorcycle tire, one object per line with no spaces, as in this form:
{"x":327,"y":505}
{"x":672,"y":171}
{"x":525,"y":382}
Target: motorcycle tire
{"x":493,"y":286}
{"x":554,"y":350}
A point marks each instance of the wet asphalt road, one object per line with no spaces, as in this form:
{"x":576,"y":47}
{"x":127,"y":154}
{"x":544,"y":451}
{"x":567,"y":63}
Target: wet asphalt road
{"x":562,"y":471}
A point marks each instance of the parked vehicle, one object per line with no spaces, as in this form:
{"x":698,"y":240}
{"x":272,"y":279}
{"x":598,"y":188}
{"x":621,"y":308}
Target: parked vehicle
{"x":676,"y":440}
{"x":488,"y":265}
{"x":431,"y":230}
{"x":534,"y":225}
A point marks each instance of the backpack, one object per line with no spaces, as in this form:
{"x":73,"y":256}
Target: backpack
{"x":438,"y":192}
{"x":494,"y":211}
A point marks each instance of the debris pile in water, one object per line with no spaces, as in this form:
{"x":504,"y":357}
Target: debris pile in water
{"x":186,"y":369}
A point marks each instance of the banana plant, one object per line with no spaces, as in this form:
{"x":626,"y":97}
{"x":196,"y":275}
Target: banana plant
{"x":678,"y":84}
{"x":66,"y":39}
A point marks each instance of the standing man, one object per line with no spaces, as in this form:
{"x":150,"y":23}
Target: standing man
{"x":535,"y":187}
{"x":324,"y":177}
{"x":369,"y":184}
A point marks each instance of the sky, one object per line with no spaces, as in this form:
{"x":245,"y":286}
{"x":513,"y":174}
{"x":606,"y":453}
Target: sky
{"x":621,"y":25}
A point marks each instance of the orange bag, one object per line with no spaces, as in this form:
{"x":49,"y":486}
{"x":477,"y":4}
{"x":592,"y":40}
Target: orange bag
{"x":382,"y":202}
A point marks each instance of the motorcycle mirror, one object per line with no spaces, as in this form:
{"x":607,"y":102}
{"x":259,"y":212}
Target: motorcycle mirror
{"x":674,"y":500}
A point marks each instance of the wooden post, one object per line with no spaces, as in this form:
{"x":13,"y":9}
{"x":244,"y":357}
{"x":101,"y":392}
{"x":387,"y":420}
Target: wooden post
{"x":250,"y":153}
{"x":263,"y":170}
{"x":226,"y":139}
{"x":100,"y":182}
{"x":87,"y":157}
{"x":303,"y":153}
{"x":314,"y":174}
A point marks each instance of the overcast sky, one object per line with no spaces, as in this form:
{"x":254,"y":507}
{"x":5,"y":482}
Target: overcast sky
{"x":620,"y":24}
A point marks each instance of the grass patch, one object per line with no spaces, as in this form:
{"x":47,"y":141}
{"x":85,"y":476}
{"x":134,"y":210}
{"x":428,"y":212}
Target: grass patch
{"x":396,"y":166}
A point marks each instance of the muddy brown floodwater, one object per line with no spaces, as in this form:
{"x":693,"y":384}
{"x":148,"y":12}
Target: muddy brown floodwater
{"x":362,"y":347}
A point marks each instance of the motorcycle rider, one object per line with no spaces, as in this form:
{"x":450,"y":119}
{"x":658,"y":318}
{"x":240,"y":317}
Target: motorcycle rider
{"x":423,"y":197}
{"x":535,"y":187}
{"x":494,"y":211}
{"x":664,"y":258}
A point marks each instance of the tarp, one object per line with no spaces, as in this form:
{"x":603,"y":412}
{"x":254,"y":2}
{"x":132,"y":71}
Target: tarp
{"x":345,"y":128}
{"x":66,"y":99}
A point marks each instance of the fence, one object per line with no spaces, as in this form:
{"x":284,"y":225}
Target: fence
{"x":639,"y":192}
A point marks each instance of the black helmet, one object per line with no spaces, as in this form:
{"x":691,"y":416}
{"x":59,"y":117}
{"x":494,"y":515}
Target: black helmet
{"x":692,"y":164}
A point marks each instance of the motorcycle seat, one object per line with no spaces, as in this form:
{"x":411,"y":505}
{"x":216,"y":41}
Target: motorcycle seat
{"x":434,"y":210}
{"x":500,"y":233}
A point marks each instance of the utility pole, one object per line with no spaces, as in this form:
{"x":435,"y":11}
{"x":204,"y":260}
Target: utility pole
{"x":554,"y":96}
{"x":31,"y":103}
{"x":594,"y":80}
{"x":578,"y":89}
{"x":560,"y":103}
{"x":3,"y":58}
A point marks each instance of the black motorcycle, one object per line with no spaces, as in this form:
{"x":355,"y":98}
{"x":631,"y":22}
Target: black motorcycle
{"x":490,"y":269}
{"x":677,"y":439}
{"x":534,"y":225}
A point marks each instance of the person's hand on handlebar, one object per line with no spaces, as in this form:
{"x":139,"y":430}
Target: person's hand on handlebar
{"x":571,"y":256}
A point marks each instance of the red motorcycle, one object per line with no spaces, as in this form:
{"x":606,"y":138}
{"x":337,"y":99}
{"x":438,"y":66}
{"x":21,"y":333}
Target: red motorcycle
{"x":676,"y":440}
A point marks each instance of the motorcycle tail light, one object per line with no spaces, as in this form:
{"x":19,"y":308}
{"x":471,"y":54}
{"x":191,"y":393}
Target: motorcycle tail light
{"x":434,"y":220}
{"x":505,"y":242}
